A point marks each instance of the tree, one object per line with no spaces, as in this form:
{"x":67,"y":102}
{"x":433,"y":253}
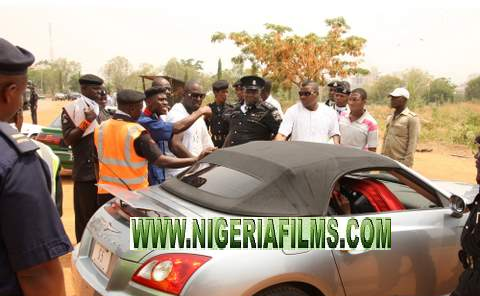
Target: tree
{"x":117,"y":72}
{"x":192,"y":68}
{"x":472,"y":91}
{"x":219,"y":69}
{"x":379,"y":90}
{"x":60,"y":75}
{"x":441,"y":90}
{"x":417,"y":82}
{"x":288,"y":59}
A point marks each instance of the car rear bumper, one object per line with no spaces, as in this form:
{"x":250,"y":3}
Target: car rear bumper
{"x":81,"y":286}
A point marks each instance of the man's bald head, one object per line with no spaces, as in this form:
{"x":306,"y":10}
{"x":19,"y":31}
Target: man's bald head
{"x":160,"y":82}
{"x":193,"y":95}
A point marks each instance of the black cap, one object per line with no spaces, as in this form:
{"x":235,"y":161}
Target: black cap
{"x":14,"y":60}
{"x":252,"y":82}
{"x":130,"y":96}
{"x":220,"y":85}
{"x":90,"y":79}
{"x":237,"y":83}
{"x":343,"y":87}
{"x":154,"y":91}
{"x":333,"y":83}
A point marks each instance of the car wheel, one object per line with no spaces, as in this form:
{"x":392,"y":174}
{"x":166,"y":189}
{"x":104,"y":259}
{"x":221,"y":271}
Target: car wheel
{"x":282,"y":290}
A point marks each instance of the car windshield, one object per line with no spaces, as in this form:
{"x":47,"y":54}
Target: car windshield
{"x":219,"y":180}
{"x":56,"y":123}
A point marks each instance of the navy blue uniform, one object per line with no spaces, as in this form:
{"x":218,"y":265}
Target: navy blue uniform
{"x":259,"y":122}
{"x":217,"y":126}
{"x":161,"y":132}
{"x":31,"y":232}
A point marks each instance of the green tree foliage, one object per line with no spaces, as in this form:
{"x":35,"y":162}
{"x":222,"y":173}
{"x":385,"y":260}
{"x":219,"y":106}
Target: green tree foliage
{"x":417,"y":82}
{"x":219,"y":69}
{"x":117,"y":73}
{"x":472,"y":91}
{"x":288,"y":59}
{"x":441,"y":90}
{"x":60,"y":75}
{"x":379,"y":90}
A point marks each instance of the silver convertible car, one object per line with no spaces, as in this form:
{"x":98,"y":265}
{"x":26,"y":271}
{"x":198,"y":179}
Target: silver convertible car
{"x":288,"y":179}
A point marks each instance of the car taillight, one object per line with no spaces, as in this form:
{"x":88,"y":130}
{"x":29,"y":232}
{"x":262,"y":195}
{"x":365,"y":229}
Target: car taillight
{"x":49,"y":139}
{"x":169,"y":272}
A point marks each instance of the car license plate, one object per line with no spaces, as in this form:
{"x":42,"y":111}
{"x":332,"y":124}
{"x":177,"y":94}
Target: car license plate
{"x":101,"y":257}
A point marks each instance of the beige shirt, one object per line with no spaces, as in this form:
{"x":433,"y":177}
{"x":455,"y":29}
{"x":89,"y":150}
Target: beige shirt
{"x":401,"y":136}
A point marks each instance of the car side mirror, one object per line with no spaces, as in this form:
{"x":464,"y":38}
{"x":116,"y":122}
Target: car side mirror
{"x":458,"y":206}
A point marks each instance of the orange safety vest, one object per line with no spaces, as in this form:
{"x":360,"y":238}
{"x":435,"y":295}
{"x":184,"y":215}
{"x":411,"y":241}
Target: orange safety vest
{"x":117,"y":159}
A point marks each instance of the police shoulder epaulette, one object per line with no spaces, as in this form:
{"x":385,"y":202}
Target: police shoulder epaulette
{"x":20,"y":142}
{"x":268,"y":106}
{"x":412,"y":113}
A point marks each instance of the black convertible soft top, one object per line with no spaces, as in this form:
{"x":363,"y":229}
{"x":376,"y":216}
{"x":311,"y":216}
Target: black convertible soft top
{"x":296,"y":177}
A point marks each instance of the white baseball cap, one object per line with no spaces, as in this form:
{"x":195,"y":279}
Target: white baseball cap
{"x":400,"y":92}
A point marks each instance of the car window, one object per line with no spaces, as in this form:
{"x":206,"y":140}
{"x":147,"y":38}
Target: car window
{"x":56,"y":123}
{"x":219,"y":180}
{"x":381,"y":191}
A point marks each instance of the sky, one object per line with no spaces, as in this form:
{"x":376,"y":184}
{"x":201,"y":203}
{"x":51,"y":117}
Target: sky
{"x":440,"y":37}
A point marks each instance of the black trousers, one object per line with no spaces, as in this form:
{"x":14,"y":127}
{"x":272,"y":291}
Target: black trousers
{"x":103,"y":199}
{"x":33,"y":110}
{"x":84,"y":205}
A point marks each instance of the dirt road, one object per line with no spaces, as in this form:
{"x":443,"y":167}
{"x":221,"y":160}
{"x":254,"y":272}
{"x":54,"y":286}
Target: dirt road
{"x":438,"y":164}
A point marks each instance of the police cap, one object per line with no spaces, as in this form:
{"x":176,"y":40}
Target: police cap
{"x":220,"y":85}
{"x":237,"y":83}
{"x":130,"y":96}
{"x":90,"y":79}
{"x":150,"y":92}
{"x":14,"y":60}
{"x":333,"y":84}
{"x":252,"y":82}
{"x":343,"y":87}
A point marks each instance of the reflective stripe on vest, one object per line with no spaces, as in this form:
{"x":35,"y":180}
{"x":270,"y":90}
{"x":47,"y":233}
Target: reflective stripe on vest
{"x":118,"y":164}
{"x":126,"y":150}
{"x":52,"y":161}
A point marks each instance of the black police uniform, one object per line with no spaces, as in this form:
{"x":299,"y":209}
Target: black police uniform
{"x":33,"y":105}
{"x":31,"y":232}
{"x":260,"y":122}
{"x":469,"y":281}
{"x":217,"y":126}
{"x":85,"y":167}
{"x":328,"y":101}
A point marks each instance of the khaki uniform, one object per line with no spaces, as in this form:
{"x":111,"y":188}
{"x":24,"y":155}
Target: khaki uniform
{"x":401,"y":136}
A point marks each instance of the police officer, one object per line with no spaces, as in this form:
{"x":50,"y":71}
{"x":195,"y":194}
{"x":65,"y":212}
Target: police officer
{"x":32,"y":237}
{"x":33,"y":103}
{"x":216,"y":125}
{"x":255,"y":120}
{"x":469,"y":281}
{"x":342,"y":92}
{"x":330,"y":101}
{"x":79,"y":119}
{"x":239,"y":91}
{"x":129,"y":169}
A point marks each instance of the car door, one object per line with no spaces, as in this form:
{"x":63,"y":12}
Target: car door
{"x":425,"y":242}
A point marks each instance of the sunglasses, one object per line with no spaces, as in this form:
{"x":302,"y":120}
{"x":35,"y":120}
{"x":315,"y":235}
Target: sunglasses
{"x":305,"y":93}
{"x":196,"y":95}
